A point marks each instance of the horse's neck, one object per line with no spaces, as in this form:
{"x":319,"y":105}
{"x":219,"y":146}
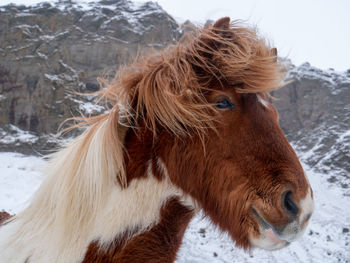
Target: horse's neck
{"x":81,"y":202}
{"x":158,"y":244}
{"x":167,"y":215}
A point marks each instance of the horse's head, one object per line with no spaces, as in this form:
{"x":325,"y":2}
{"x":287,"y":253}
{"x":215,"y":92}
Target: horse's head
{"x":219,"y":137}
{"x":251,"y":182}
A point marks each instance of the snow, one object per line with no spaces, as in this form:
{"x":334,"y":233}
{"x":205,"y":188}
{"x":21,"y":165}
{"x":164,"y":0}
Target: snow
{"x":17,"y":136}
{"x":41,"y":55}
{"x":87,"y":107}
{"x":23,"y":14}
{"x":91,"y":108}
{"x":327,"y":151}
{"x":19,"y":178}
{"x":132,"y":12}
{"x":326,"y":239}
{"x":344,"y":135}
{"x":52,"y":77}
{"x":330,"y":77}
{"x":84,"y":5}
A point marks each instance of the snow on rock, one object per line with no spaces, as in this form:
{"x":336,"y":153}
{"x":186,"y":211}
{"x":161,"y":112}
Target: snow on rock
{"x":326,"y":239}
{"x":54,"y":50}
{"x":88,"y":108}
{"x":314,"y":113}
{"x":329,"y":77}
{"x":16,"y":136}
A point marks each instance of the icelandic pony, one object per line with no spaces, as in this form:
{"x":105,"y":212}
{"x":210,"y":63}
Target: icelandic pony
{"x":190,"y":128}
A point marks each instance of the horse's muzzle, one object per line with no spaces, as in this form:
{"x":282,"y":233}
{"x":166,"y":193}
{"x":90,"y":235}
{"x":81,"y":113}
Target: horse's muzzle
{"x":271,"y":237}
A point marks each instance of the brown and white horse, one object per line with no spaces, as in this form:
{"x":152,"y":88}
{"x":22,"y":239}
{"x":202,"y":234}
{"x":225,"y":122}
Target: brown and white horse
{"x":191,"y":128}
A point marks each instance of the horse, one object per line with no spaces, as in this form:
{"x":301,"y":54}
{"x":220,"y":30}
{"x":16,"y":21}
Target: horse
{"x":189,"y":128}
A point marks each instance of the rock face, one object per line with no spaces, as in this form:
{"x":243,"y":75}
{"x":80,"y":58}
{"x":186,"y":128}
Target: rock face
{"x":315,"y":114}
{"x":50,"y":51}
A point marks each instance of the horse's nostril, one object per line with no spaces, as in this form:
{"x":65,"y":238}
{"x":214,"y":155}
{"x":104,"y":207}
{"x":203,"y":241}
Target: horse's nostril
{"x":289,"y":204}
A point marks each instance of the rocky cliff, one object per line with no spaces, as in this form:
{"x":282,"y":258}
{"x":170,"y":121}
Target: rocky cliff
{"x":314,"y":112}
{"x":50,"y":51}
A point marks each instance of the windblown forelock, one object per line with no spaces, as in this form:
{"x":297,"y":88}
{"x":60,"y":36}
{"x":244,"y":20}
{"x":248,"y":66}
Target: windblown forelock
{"x":237,"y":55}
{"x":169,"y":87}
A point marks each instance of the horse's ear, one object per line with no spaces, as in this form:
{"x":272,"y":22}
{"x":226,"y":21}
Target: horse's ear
{"x":222,"y":27}
{"x":274,"y":53}
{"x":222,"y":23}
{"x":211,"y":39}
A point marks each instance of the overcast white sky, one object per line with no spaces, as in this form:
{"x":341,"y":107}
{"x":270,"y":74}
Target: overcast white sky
{"x":317,"y":31}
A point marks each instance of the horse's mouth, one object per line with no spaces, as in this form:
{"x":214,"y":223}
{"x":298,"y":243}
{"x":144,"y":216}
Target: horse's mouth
{"x":269,"y":237}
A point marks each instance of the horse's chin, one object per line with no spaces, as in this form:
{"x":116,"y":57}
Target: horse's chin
{"x":270,"y":238}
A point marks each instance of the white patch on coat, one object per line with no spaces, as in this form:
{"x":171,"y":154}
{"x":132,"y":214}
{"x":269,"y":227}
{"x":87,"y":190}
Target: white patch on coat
{"x":264,"y":102}
{"x":185,"y":199}
{"x":306,"y":206}
{"x":80,"y":201}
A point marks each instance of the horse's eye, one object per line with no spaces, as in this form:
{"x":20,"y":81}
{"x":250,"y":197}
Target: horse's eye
{"x":224,"y":104}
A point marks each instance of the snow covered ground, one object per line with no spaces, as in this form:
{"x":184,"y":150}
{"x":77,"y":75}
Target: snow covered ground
{"x":19,"y":178}
{"x":327,"y":238}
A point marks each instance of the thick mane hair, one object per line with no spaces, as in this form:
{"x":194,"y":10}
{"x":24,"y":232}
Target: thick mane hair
{"x":167,"y":89}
